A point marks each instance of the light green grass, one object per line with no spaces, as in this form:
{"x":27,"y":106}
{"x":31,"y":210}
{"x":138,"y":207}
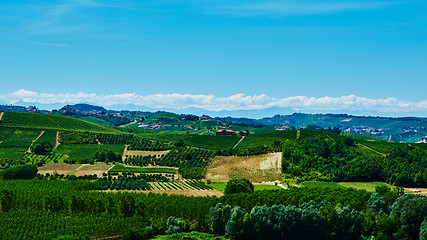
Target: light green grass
{"x":321,"y":184}
{"x":193,"y":235}
{"x":218,"y":185}
{"x":368,"y":186}
{"x":260,"y":187}
{"x":122,"y":168}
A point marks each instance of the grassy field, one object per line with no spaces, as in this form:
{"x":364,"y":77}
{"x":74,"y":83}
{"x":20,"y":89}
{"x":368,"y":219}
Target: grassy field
{"x":85,"y":151}
{"x":122,"y":168}
{"x":220,"y":186}
{"x":191,"y":235}
{"x":368,"y":186}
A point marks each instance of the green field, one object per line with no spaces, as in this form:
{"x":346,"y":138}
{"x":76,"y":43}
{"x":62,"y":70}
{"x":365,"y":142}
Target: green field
{"x":85,"y":151}
{"x":368,"y":186}
{"x":191,"y":235}
{"x":220,"y":186}
{"x":122,"y":168}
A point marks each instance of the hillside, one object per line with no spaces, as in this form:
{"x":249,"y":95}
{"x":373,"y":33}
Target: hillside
{"x":51,"y":121}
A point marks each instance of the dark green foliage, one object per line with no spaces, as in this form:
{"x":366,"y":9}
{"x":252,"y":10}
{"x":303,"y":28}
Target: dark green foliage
{"x":123,"y":184}
{"x":336,"y":160}
{"x":411,"y":209}
{"x":307,"y":221}
{"x":174,"y":225}
{"x":6,"y":201}
{"x":141,"y":160}
{"x":20,"y":172}
{"x":423,"y":230}
{"x":42,"y":148}
{"x":242,"y":185}
{"x":107,"y":156}
{"x":74,"y":137}
{"x":376,"y":204}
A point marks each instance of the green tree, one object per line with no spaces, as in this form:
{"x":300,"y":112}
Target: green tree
{"x":20,"y":172}
{"x":6,"y":201}
{"x":423,"y":230}
{"x":241,"y":185}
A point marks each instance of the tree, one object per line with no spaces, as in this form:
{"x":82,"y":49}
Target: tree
{"x":242,"y":185}
{"x":376,"y":204}
{"x":43,"y":148}
{"x":20,"y":172}
{"x":423,"y":230}
{"x":6,"y":201}
{"x":412,"y":210}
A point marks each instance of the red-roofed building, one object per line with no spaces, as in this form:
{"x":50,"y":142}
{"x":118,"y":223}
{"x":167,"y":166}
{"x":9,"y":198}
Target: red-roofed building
{"x":225,"y":132}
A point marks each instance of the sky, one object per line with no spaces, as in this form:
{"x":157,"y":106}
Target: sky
{"x":310,"y":56}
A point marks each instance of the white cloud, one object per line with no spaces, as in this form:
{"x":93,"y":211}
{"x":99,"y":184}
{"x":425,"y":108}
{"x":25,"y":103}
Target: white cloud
{"x":214,"y":103}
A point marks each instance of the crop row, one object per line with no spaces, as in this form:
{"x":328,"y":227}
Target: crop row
{"x":42,"y":159}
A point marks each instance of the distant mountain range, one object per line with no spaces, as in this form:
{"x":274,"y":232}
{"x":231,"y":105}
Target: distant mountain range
{"x":401,"y":129}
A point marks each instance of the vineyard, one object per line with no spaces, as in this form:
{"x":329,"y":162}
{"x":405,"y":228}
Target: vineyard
{"x":212,"y":142}
{"x":42,"y":159}
{"x":265,"y":139}
{"x":51,"y":121}
{"x":148,"y":145}
{"x":186,"y":185}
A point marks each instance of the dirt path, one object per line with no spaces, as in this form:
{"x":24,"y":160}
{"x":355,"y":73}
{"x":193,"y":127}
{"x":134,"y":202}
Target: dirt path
{"x":1,"y":115}
{"x":238,"y":142}
{"x":29,"y":148}
{"x":56,"y":140}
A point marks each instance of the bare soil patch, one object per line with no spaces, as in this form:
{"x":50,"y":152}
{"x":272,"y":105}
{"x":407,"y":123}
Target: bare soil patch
{"x":145,"y":153}
{"x":60,"y":168}
{"x":75,"y":169}
{"x":97,"y":169}
{"x":418,"y":190}
{"x":259,"y":168}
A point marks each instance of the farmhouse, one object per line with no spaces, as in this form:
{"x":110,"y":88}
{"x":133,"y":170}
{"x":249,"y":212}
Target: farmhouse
{"x":225,"y":132}
{"x":244,"y":133}
{"x":283,"y":128}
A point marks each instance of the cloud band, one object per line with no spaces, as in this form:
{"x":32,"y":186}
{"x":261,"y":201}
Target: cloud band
{"x":214,"y":103}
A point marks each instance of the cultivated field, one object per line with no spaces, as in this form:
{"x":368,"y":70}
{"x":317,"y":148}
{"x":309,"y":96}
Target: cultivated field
{"x":259,"y":168}
{"x":143,"y":153}
{"x":75,"y":169}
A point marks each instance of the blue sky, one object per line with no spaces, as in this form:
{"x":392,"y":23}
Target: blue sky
{"x":369,"y":56}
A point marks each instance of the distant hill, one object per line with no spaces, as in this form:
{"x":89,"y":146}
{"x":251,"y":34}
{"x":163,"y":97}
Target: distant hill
{"x":407,"y":129}
{"x":83,"y":107}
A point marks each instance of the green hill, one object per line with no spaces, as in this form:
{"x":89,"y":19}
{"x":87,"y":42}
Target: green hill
{"x":51,"y":121}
